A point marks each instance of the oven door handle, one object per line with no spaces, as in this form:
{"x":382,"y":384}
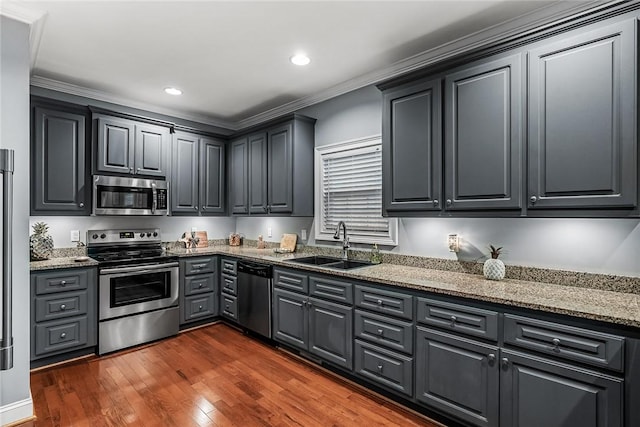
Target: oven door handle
{"x":139,"y":268}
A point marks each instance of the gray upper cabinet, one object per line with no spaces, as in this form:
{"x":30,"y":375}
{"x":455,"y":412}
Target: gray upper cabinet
{"x":271,"y":170}
{"x":59,"y":162}
{"x":412,"y":148}
{"x":129,"y":147}
{"x":198,"y":175}
{"x":483,"y":135}
{"x":582,"y":120}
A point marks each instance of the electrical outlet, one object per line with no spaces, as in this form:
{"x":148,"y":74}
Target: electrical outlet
{"x":453,"y":241}
{"x":75,"y":235}
{"x":303,"y":234}
{"x":269,"y":232}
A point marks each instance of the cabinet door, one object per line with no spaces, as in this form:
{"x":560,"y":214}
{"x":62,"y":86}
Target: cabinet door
{"x":458,"y":376}
{"x":538,"y":392}
{"x":115,"y":145}
{"x":582,"y":120}
{"x":280,"y":170}
{"x":483,"y":128}
{"x":60,"y":180}
{"x":290,"y":320}
{"x":212,"y":176}
{"x":412,"y":148}
{"x":331,"y":332}
{"x":239,"y":177}
{"x":184,"y":186}
{"x":258,"y":173}
{"x":151,"y":150}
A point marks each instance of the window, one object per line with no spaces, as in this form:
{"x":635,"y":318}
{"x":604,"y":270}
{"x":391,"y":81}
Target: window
{"x":349,"y":189}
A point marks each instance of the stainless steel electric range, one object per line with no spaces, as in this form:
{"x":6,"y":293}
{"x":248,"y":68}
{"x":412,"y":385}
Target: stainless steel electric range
{"x":137,"y":287}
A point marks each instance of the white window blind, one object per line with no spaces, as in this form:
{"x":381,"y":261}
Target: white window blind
{"x":350,"y":190}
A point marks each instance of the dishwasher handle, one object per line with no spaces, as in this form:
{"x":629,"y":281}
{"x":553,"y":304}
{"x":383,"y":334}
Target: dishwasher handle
{"x":254,"y":269}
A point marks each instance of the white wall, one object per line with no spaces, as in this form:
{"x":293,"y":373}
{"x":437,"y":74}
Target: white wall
{"x":15,"y":398}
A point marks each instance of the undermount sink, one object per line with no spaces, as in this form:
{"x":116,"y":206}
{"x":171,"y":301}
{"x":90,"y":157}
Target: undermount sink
{"x":331,"y":262}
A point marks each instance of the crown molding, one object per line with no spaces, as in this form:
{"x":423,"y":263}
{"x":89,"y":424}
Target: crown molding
{"x":30,"y":16}
{"x":72,"y":89}
{"x":537,"y":21}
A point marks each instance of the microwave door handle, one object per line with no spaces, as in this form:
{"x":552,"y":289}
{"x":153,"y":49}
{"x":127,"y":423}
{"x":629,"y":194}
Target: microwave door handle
{"x":154,"y":205}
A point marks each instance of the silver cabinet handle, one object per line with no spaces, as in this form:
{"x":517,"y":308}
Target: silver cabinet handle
{"x":138,"y":170}
{"x":63,"y":283}
{"x":435,"y":202}
{"x":379,"y":302}
{"x":454,"y":319}
{"x":310,"y":304}
{"x":556,"y":344}
{"x":195,"y":207}
{"x":449,"y":202}
{"x":200,"y":285}
{"x":81,"y":205}
{"x":63,"y":335}
{"x":380,"y":332}
{"x":380,"y":368}
{"x":491,"y":358}
{"x":200,"y":308}
{"x":131,"y":170}
{"x":533,"y":199}
{"x":63,"y":307}
{"x":505,"y":362}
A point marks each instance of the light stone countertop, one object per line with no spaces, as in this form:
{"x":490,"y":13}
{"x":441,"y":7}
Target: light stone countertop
{"x":63,"y":262}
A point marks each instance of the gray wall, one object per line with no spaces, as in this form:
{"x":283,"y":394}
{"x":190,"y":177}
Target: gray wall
{"x":610,"y":246}
{"x":14,"y":134}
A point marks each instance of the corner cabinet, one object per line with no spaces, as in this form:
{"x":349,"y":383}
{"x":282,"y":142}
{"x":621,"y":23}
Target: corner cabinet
{"x":129,"y":147}
{"x":271,"y":170}
{"x":60,"y":160}
{"x":198,"y":175}
{"x":582,"y":120}
{"x":412,"y":147}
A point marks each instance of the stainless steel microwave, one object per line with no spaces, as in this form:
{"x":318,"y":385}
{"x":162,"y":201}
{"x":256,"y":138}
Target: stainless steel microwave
{"x":113,"y":195}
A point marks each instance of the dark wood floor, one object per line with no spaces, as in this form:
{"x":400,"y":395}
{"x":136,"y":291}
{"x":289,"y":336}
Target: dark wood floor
{"x":212,"y":376}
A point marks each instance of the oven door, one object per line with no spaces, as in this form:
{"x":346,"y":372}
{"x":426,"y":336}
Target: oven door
{"x":136,"y":289}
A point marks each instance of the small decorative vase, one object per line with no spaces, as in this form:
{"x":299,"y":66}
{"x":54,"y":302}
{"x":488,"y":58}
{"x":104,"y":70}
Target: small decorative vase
{"x":494,"y":269}
{"x":376,"y":256}
{"x":40,"y":243}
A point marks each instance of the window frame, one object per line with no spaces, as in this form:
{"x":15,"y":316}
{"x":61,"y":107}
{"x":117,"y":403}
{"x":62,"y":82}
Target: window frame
{"x":391,"y":239}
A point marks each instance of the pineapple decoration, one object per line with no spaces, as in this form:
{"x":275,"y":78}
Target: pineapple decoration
{"x":40,"y":243}
{"x":493,"y":268}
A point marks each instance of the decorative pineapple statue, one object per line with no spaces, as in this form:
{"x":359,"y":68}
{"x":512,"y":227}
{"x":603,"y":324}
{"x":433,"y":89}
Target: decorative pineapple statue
{"x":40,"y":243}
{"x":493,"y":268}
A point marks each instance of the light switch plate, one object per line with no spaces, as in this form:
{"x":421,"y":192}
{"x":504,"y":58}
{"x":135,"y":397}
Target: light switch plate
{"x":269,"y":232}
{"x":75,"y":235}
{"x":303,"y":234}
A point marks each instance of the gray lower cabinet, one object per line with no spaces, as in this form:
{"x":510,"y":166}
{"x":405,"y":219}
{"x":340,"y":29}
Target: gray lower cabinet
{"x":271,"y":169}
{"x":412,"y":148}
{"x":60,"y":182}
{"x":322,"y":327}
{"x":582,"y":121}
{"x":539,"y":392}
{"x":483,"y":134}
{"x":63,"y":311}
{"x":199,"y":293}
{"x":229,"y":289}
{"x":198,"y":175}
{"x":129,"y":147}
{"x":384,"y":367}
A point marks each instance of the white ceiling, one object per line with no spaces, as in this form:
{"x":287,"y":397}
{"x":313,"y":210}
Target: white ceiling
{"x":231,"y":58}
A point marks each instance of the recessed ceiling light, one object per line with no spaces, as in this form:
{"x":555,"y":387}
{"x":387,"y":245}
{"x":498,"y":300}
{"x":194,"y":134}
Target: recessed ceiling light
{"x":300,"y":59}
{"x":173,"y":91}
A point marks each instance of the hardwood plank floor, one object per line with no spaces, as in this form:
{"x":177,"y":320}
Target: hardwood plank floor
{"x":212,"y":376}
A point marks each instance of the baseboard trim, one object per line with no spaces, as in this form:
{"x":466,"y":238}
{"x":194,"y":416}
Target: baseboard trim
{"x":17,"y":413}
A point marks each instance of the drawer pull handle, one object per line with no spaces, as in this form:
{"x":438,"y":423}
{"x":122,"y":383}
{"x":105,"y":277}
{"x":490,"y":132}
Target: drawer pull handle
{"x":200,"y":308}
{"x":63,"y":283}
{"x":379,"y":302}
{"x":310,"y":304}
{"x":380,"y":331}
{"x":380,"y":368}
{"x":505,"y":363}
{"x":556,"y":344}
{"x":200,"y":285}
{"x":454,"y":319}
{"x":226,"y":307}
{"x":63,"y":307}
{"x":63,"y":335}
{"x":491,"y":358}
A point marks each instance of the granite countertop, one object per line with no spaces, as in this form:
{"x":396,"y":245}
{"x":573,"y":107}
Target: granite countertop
{"x":602,"y":305}
{"x":63,"y":262}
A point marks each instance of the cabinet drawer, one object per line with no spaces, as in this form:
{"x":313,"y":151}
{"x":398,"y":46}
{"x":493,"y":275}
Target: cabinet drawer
{"x":567,"y":342}
{"x":61,"y":335}
{"x":199,"y":266}
{"x":199,"y":306}
{"x":330,"y":289}
{"x":459,"y":318}
{"x":229,"y":284}
{"x":290,"y":280}
{"x":384,"y":331}
{"x":61,"y":281}
{"x":387,"y":302}
{"x":61,"y":305}
{"x":384,"y":367}
{"x":229,"y":266}
{"x":199,"y":284}
{"x":229,"y":306}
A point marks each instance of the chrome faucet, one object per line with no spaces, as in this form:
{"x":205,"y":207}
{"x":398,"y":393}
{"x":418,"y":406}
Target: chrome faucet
{"x":345,"y":239}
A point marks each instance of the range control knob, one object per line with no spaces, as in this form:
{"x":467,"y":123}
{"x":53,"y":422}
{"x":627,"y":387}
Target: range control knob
{"x":102,"y":236}
{"x":155,"y":234}
{"x":141,"y":234}
{"x":95,"y":236}
{"x":148,"y":234}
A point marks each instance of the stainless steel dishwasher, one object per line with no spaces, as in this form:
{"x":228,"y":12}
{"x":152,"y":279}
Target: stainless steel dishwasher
{"x":254,"y":297}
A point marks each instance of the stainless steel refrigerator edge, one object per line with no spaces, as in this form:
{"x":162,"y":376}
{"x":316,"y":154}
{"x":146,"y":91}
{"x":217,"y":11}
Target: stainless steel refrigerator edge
{"x":6,"y":341}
